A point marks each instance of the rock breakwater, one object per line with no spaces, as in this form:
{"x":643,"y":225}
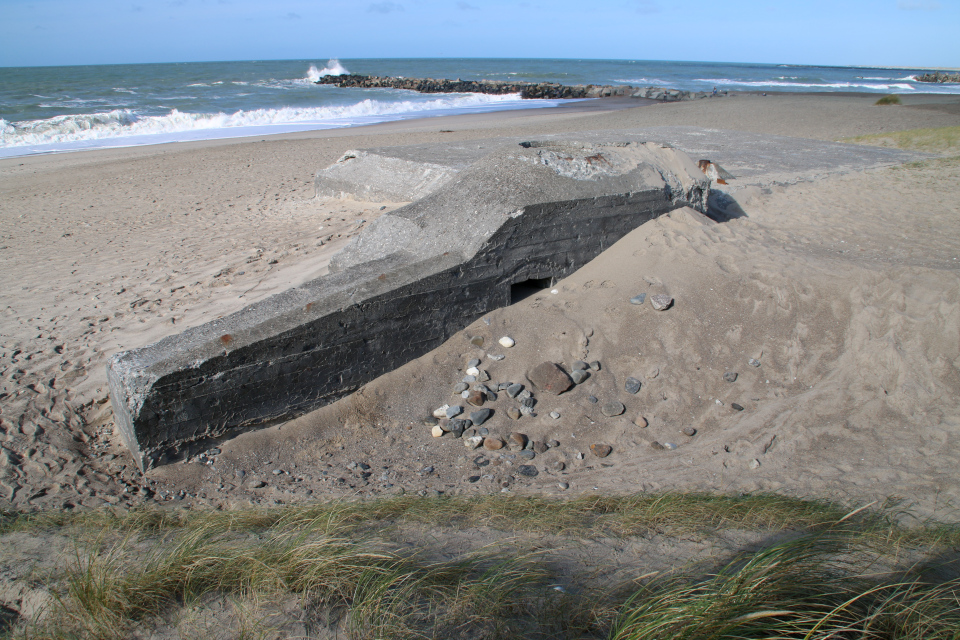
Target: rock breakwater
{"x":527,"y":90}
{"x":939,"y":77}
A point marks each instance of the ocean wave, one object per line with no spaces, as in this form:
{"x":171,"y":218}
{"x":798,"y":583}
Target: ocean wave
{"x":126,"y":122}
{"x":333,"y":68}
{"x":645,"y":82}
{"x":806,"y":85}
{"x":122,"y":90}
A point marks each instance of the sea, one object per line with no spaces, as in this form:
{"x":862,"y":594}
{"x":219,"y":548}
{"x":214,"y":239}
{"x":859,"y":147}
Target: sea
{"x":62,"y":109}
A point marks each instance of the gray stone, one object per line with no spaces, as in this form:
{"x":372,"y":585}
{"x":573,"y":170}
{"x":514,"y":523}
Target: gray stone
{"x":457,"y":426}
{"x":518,"y":440}
{"x":496,"y":357}
{"x":689,"y":431}
{"x":413,"y":278}
{"x":513,"y":413}
{"x":473,"y":363}
{"x":593,"y":399}
{"x":491,"y":396}
{"x":477,"y":341}
{"x":580,"y":365}
{"x":638,"y":299}
{"x":550,"y":377}
{"x":430,"y":421}
{"x":595,"y":365}
{"x":753,"y":362}
{"x":661,"y":301}
{"x":555,"y":415}
{"x":454,"y":411}
{"x":553,"y":444}
{"x":528,"y":470}
{"x":736,"y":406}
{"x":730,"y":376}
{"x":529,"y":403}
{"x":461,"y":387}
{"x":469,"y":379}
{"x":528,"y":454}
{"x":514,"y":389}
{"x":256,"y":484}
{"x":540,"y":446}
{"x":579,"y":376}
{"x":481,"y":416}
{"x":563,"y":486}
{"x":483,"y":431}
{"x":612,"y":408}
{"x":632,"y":385}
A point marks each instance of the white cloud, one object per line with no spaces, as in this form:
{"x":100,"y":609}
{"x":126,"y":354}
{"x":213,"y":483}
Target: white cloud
{"x":384,"y":7}
{"x":918,"y":5}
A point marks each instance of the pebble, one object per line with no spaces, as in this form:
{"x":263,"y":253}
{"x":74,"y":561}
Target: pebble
{"x":595,"y":365}
{"x":481,"y":416}
{"x":753,"y":362}
{"x":513,"y":413}
{"x":506,"y":342}
{"x":457,"y":427}
{"x":548,"y":376}
{"x":528,"y":470}
{"x":601,"y":450}
{"x":555,"y":415}
{"x":689,"y":431}
{"x":579,"y":375}
{"x":632,"y":385}
{"x":518,"y":439}
{"x":580,"y":365}
{"x":492,"y":444}
{"x":461,"y":387}
{"x":491,"y":396}
{"x":641,"y":422}
{"x":736,"y":406}
{"x":579,"y":455}
{"x":473,"y":371}
{"x":473,"y":479}
{"x":528,"y":402}
{"x":653,"y":373}
{"x":496,"y":357}
{"x":437,"y":431}
{"x":483,"y":431}
{"x":669,"y":445}
{"x":754,"y":464}
{"x":553,"y":444}
{"x":638,"y":299}
{"x":539,"y":446}
{"x":612,"y":408}
{"x":431,"y":420}
{"x":559,"y":465}
{"x":474,"y":363}
{"x":656,"y":445}
{"x":441,"y":412}
{"x":563,"y":486}
{"x":469,"y":379}
{"x":593,"y":399}
{"x":476,"y":398}
{"x":514,"y":389}
{"x":277,"y":472}
{"x":483,"y":376}
{"x":477,"y":341}
{"x":730,"y":376}
{"x":473,"y":442}
{"x":661,"y":302}
{"x":454,"y":411}
{"x":465,"y":394}
{"x":256,"y":484}
{"x":527,"y":454}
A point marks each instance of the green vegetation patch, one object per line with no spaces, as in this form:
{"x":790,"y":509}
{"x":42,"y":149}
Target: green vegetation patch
{"x":943,"y":140}
{"x":891,"y":99}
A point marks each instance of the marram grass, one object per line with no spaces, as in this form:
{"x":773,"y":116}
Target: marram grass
{"x":941,"y":140}
{"x":837,"y":576}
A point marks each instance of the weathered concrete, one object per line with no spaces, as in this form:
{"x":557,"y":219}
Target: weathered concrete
{"x":404,"y":286}
{"x":407,"y":173}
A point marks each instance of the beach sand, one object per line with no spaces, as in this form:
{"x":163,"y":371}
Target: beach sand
{"x":844,"y":289}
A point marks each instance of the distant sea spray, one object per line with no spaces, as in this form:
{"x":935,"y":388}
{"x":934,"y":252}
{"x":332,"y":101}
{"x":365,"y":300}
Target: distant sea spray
{"x":47,"y":109}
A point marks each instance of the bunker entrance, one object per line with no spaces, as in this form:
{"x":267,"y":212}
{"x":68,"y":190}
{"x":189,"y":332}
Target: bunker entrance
{"x":523,"y":290}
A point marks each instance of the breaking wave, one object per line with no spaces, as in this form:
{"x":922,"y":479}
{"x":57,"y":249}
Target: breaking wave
{"x":120,"y":123}
{"x":333,"y":68}
{"x":807,"y":85}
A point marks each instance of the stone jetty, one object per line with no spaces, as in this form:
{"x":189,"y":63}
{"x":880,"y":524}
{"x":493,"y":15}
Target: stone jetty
{"x":527,"y":90}
{"x":939,"y":78}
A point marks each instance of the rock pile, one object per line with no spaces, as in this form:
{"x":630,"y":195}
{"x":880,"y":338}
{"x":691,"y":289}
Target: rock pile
{"x":939,"y":78}
{"x":527,"y":90}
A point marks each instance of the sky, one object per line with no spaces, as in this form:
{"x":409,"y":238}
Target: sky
{"x":897,"y":33}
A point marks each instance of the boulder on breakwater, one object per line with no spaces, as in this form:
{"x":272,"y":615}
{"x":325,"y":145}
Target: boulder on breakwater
{"x":939,"y":78}
{"x":527,"y":90}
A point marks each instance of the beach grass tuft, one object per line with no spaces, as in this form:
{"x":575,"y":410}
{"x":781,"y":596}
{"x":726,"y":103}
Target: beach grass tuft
{"x":942,"y":140}
{"x":826,"y":572}
{"x":891,"y":99}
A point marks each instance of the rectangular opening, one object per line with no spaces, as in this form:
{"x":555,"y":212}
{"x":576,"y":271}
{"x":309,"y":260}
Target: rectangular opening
{"x":523,"y":290}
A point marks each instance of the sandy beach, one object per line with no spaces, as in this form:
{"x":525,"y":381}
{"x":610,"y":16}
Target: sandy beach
{"x":845,"y":289}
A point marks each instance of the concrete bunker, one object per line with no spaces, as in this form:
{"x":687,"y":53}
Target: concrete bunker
{"x":520,"y":217}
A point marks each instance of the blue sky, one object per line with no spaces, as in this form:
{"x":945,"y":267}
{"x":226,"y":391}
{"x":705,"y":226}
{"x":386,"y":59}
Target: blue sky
{"x":910,"y":33}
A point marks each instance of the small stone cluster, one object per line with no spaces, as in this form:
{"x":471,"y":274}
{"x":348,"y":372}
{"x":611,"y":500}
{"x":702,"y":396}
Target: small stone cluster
{"x":527,"y":90}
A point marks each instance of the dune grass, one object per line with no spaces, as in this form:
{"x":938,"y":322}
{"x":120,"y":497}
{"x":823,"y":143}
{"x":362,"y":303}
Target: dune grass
{"x":837,"y":577}
{"x":942,"y":140}
{"x":885,"y":100}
